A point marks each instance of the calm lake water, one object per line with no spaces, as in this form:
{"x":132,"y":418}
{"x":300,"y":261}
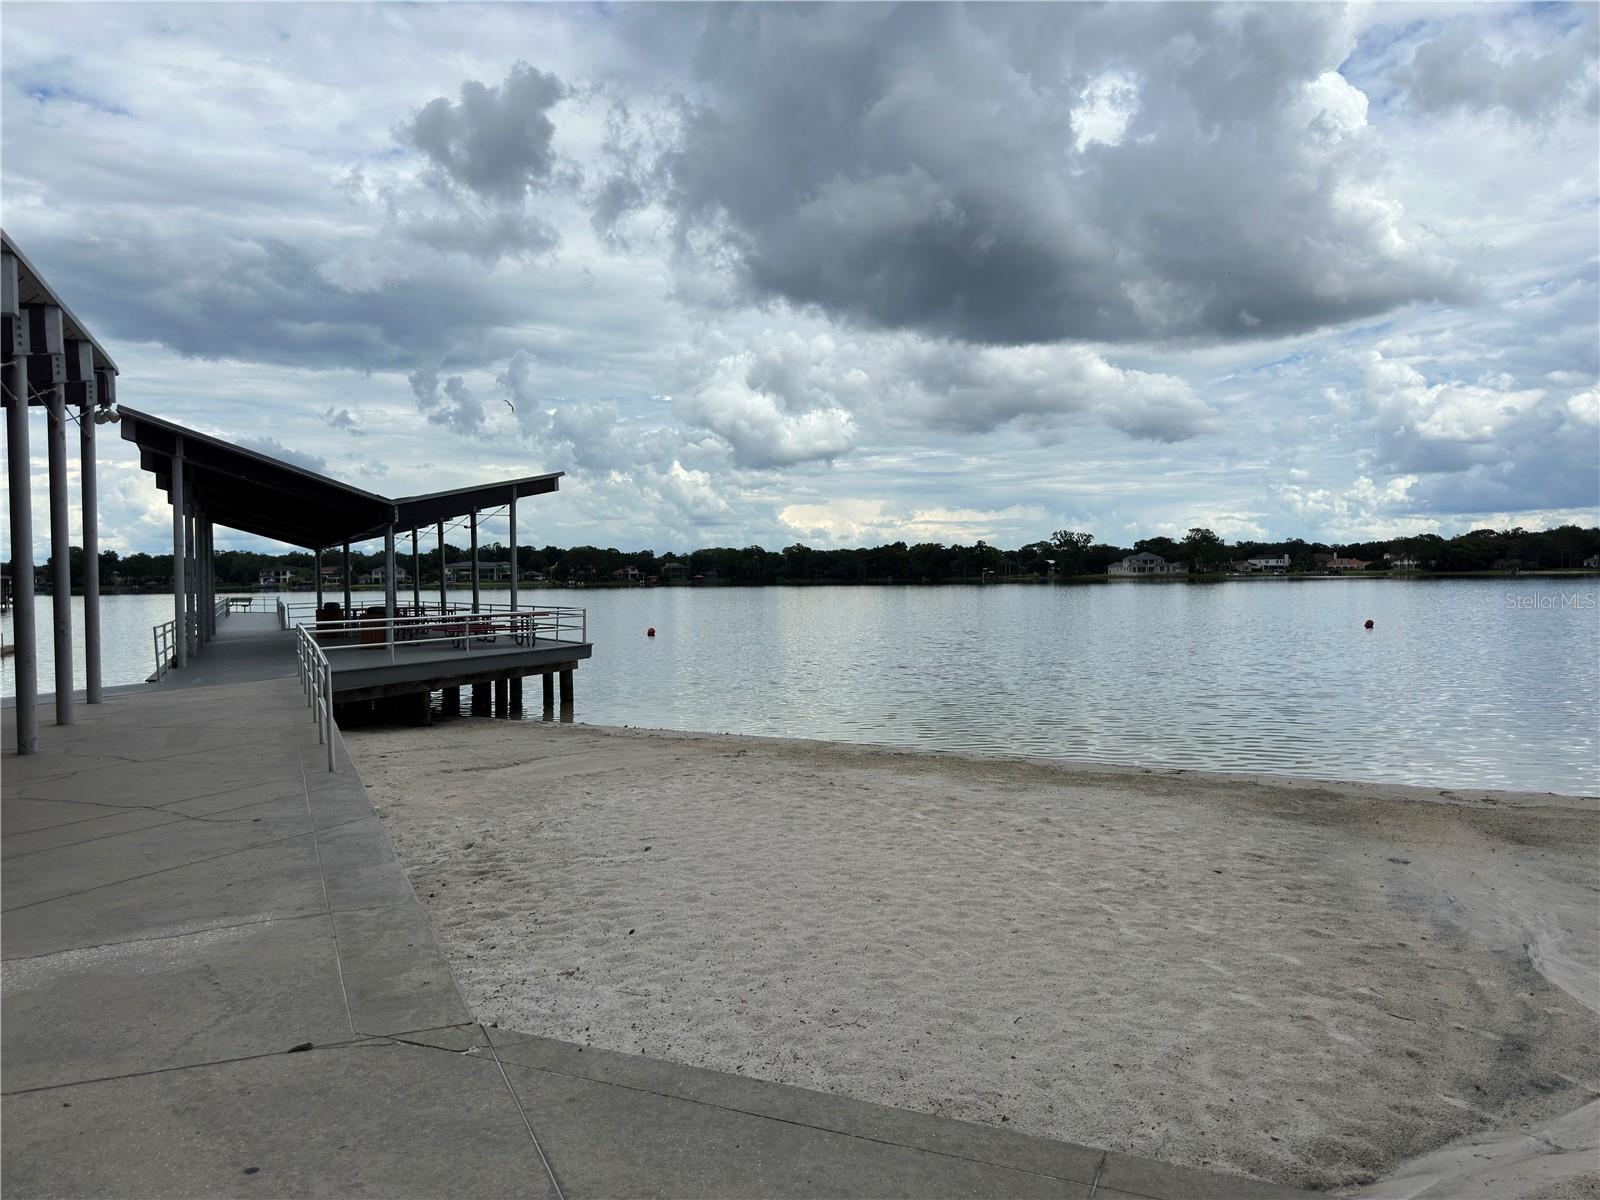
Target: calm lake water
{"x":1467,"y":683}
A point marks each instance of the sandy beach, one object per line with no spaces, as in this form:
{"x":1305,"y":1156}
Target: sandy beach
{"x":1305,"y":982}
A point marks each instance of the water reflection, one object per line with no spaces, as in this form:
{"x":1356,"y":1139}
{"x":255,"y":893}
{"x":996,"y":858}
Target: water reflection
{"x":1461,"y":683}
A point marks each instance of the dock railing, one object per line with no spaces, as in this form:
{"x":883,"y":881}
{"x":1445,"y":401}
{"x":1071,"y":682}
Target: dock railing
{"x":316,"y":677}
{"x":166,"y":645}
{"x":433,"y":627}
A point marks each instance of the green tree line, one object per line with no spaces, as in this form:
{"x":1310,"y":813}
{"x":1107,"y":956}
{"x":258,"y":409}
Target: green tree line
{"x":1066,"y":554}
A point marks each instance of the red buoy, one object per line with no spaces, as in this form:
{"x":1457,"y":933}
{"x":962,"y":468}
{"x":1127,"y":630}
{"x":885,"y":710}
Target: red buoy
{"x":1369,"y":623}
{"x":651,"y":632}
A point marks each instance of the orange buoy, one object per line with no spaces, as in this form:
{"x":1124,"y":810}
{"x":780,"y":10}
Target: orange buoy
{"x":1369,"y":623}
{"x":651,"y":632}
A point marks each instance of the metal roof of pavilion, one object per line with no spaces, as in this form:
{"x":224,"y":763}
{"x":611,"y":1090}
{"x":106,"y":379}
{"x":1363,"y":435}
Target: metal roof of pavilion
{"x":256,"y":493}
{"x":32,"y":289}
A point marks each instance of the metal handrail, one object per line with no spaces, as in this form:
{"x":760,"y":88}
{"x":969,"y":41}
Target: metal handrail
{"x":457,"y":627}
{"x":461,"y":631}
{"x":292,"y":614}
{"x":316,"y":678}
{"x":166,"y":645}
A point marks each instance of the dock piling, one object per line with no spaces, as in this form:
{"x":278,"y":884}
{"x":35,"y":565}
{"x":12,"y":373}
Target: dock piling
{"x":88,"y":495}
{"x":180,"y":593}
{"x":19,"y":482}
{"x":60,"y":544}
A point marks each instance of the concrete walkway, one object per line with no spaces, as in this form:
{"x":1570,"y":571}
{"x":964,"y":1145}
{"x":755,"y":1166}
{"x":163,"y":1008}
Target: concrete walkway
{"x":249,"y":646}
{"x":218,"y":982}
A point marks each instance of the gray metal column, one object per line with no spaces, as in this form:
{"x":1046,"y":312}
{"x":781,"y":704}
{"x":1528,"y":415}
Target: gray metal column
{"x":19,"y":479}
{"x":416,"y":576}
{"x":443,"y":600}
{"x":389,"y":592}
{"x":180,"y":595}
{"x":316,"y":566}
{"x":347,"y":613}
{"x":191,"y":576}
{"x":200,"y":632}
{"x":208,"y":574}
{"x":474,"y":560}
{"x":60,"y":548}
{"x":89,"y":494}
{"x":512,"y":510}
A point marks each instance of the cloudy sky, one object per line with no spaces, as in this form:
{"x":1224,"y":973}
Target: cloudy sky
{"x":845,"y":274}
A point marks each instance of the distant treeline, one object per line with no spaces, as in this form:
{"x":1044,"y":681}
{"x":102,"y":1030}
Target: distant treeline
{"x":1066,"y":554}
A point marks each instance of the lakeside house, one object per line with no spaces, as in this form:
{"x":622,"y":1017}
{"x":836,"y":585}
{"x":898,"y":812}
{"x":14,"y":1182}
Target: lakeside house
{"x":674,"y":571}
{"x":1402,"y":563}
{"x":1592,"y":562}
{"x":1267,"y":565}
{"x":461,"y":572}
{"x":1347,"y":564}
{"x":375,"y":576}
{"x":1145,"y":564}
{"x":276,"y":577}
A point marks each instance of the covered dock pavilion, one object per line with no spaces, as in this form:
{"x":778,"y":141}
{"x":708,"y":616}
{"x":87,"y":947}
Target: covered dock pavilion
{"x":410,"y":646}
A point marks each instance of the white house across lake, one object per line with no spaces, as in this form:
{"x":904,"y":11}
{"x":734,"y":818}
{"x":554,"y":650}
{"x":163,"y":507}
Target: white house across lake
{"x":1145,"y":563}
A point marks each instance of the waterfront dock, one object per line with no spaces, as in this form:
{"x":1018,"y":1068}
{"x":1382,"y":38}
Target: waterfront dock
{"x":218,"y":981}
{"x":405,"y":659}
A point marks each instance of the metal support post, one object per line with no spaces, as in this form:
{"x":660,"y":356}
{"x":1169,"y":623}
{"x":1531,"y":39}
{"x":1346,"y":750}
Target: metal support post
{"x":388,"y":582}
{"x":190,"y":577}
{"x":211,"y":578}
{"x":566,"y":686}
{"x":202,"y":580}
{"x":180,"y":595}
{"x":88,"y":491}
{"x":19,"y":480}
{"x":443,"y":601}
{"x":549,"y":681}
{"x":348,"y":615}
{"x":474,"y":560}
{"x":60,"y":550}
{"x":416,"y":576}
{"x":512,"y":510}
{"x":317,"y":567}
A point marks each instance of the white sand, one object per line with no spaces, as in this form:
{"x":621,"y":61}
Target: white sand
{"x":1303,"y":982}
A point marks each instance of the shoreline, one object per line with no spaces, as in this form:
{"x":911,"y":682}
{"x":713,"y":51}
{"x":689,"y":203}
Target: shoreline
{"x":1091,"y":767}
{"x":1299,"y":980}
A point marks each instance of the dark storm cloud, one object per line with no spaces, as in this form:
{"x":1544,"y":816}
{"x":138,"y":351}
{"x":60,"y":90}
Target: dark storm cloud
{"x":496,"y":141}
{"x":486,"y":236}
{"x":343,"y":418}
{"x":206,"y":294}
{"x":1531,"y":475}
{"x":454,"y":406}
{"x":920,"y":168}
{"x":1460,"y":69}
